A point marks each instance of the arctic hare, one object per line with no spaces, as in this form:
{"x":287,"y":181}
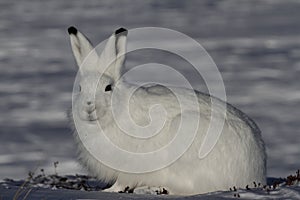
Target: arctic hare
{"x":237,"y":159}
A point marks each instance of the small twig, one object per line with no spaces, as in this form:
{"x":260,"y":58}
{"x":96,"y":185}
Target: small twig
{"x":30,"y":176}
{"x":265,"y":187}
{"x":254,"y":184}
{"x":43,"y":172}
{"x":164,"y":191}
{"x":27,"y":193}
{"x":237,"y":195}
{"x":247,"y":187}
{"x":234,"y":188}
{"x":55,"y":166}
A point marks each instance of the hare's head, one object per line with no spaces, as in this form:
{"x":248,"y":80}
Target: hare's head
{"x":97,"y":74}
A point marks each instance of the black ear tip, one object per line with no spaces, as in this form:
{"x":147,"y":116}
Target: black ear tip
{"x":72,"y":30}
{"x":122,"y":31}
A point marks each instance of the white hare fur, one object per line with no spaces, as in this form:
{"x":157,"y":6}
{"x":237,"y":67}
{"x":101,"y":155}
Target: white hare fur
{"x":237,"y":159}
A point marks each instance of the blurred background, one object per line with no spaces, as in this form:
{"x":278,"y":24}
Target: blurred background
{"x":255,"y":44}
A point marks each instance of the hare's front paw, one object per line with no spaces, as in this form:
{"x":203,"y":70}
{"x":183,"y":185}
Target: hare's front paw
{"x":116,"y":187}
{"x":150,"y":190}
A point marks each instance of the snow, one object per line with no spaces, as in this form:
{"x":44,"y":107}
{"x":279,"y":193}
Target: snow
{"x":255,"y":44}
{"x":84,"y":187}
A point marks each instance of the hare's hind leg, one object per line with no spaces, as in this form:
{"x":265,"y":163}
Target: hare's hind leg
{"x":116,"y":187}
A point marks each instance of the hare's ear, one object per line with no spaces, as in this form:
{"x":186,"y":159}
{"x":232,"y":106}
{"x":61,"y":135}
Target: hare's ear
{"x":121,"y":41}
{"x":81,"y":46}
{"x":114,"y":53}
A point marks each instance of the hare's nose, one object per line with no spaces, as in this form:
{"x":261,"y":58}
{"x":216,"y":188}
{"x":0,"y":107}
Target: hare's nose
{"x":88,"y":102}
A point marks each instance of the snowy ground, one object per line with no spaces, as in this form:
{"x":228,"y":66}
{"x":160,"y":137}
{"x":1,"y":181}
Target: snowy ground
{"x":84,"y":187}
{"x":255,"y":44}
{"x":40,"y":193}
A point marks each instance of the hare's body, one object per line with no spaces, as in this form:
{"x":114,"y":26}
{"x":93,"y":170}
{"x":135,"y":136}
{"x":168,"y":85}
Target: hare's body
{"x":237,"y":159}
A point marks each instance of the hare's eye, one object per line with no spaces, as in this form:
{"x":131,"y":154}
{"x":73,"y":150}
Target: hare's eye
{"x":108,"y":88}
